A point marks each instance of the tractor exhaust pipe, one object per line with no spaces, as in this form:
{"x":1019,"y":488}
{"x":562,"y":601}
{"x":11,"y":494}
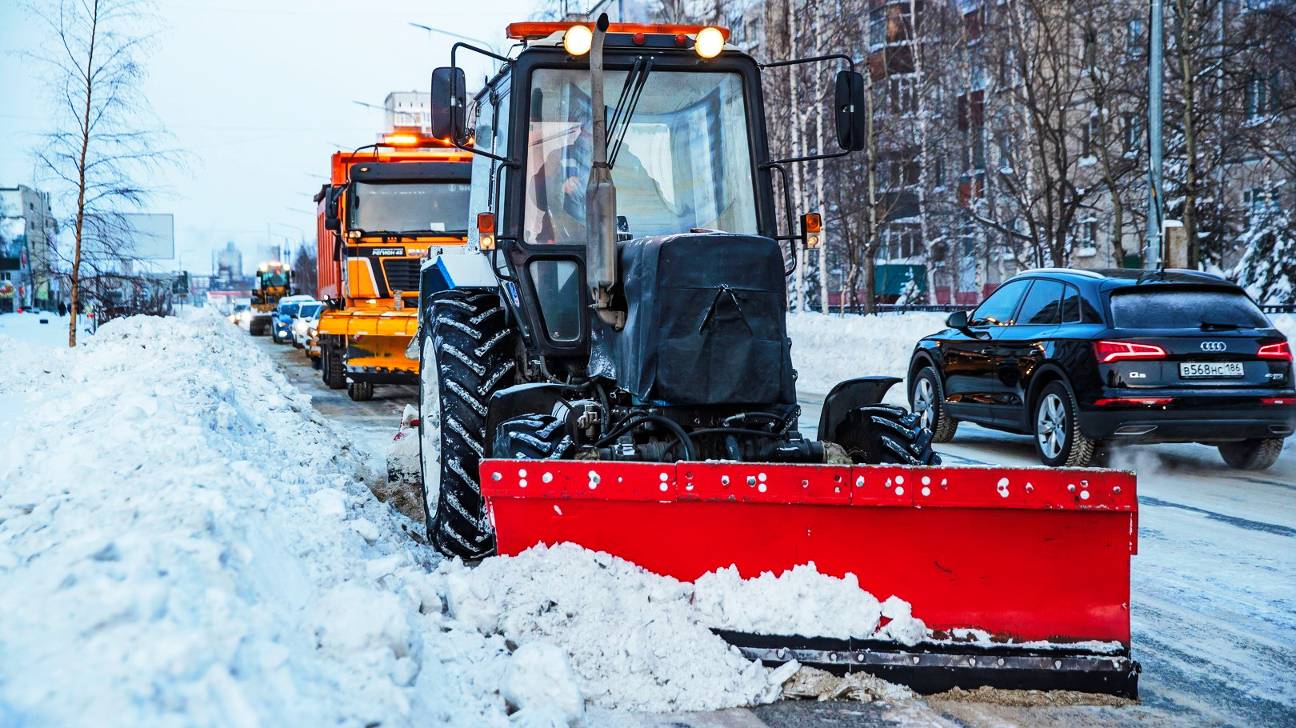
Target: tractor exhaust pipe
{"x":600,"y":197}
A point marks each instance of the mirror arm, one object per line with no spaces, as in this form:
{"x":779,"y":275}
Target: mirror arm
{"x":850,"y":62}
{"x":457,"y":134}
{"x":811,"y":158}
{"x":787,"y":213}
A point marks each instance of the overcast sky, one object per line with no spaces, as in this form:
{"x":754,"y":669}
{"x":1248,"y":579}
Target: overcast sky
{"x":259,"y":93}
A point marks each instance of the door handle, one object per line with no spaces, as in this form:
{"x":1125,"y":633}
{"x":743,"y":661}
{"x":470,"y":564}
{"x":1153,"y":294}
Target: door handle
{"x":985,"y":351}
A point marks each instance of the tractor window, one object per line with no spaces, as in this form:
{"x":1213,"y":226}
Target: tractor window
{"x":685,"y":162}
{"x":558,"y":288}
{"x":488,"y":174}
{"x":409,"y":207}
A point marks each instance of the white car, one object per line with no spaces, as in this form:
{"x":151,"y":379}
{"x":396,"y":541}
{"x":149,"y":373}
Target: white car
{"x":307,"y":318}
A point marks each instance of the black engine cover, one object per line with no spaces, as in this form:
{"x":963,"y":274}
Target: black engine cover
{"x":706,"y":322}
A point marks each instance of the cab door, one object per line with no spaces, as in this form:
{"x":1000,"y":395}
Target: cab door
{"x":969,"y":356}
{"x":1021,"y":347}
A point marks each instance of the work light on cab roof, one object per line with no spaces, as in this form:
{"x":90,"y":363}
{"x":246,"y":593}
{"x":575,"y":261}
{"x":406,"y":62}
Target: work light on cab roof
{"x":408,"y":137}
{"x":578,"y":38}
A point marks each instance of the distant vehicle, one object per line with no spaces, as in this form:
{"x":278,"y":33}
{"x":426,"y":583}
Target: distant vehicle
{"x":273,"y":283}
{"x":241,"y":314}
{"x":1077,"y":358}
{"x":307,"y":318}
{"x":282,"y":318}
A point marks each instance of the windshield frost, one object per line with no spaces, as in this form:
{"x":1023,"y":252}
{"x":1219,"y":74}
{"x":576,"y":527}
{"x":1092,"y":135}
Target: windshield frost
{"x":405,"y":207}
{"x":685,"y":162}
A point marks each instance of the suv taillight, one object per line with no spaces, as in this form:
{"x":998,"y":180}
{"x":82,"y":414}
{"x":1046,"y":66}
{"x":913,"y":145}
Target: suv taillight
{"x":1281,"y":350}
{"x":1110,"y":351}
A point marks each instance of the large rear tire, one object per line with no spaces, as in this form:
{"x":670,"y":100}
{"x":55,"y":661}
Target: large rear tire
{"x":469,"y":353}
{"x":1252,"y":454}
{"x":332,"y":370}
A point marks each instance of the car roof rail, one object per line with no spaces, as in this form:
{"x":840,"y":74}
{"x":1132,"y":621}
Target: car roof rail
{"x":1065,"y":271}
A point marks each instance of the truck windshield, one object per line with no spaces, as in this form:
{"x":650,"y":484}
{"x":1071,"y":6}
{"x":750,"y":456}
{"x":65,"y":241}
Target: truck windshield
{"x":685,"y":162}
{"x":409,"y":207}
{"x":274,"y":280}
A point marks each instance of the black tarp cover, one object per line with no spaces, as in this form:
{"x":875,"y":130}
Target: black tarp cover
{"x":706,"y":322}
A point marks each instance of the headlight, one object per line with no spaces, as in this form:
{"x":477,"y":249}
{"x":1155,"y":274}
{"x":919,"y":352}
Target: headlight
{"x":709,"y":42}
{"x":578,"y":40}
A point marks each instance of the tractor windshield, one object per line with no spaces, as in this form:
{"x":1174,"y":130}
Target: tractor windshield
{"x":409,"y":207}
{"x":685,"y":161}
{"x":273,"y":279}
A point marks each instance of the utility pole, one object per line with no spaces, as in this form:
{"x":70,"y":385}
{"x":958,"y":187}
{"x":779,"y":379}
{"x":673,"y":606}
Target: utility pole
{"x":1155,"y":214}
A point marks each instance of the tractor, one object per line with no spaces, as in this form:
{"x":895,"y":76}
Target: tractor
{"x":610,"y":366}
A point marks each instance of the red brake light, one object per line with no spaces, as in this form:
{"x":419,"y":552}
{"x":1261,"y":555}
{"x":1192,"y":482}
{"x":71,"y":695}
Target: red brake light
{"x":1281,"y":350}
{"x":1110,"y":351}
{"x":1278,"y":400}
{"x":1145,"y":401}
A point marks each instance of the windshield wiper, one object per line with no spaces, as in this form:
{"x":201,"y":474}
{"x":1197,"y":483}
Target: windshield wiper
{"x":1219,"y":326}
{"x":626,"y":104}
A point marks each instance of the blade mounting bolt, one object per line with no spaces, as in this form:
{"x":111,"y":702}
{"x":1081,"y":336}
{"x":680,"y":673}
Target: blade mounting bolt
{"x":496,"y":477}
{"x":751,"y":480}
{"x":1001,"y":662}
{"x":1116,"y":490}
{"x":859,"y":656}
{"x":859,"y":482}
{"x":1057,"y":664}
{"x":1070,"y":487}
{"x":724,"y":480}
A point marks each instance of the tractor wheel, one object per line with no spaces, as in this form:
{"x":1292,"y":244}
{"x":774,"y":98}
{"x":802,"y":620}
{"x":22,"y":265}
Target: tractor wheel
{"x":360,"y":391}
{"x":468,"y":355}
{"x":927,"y":400}
{"x":331,"y":367}
{"x":532,"y":437}
{"x":881,"y":433}
{"x":1251,"y":454}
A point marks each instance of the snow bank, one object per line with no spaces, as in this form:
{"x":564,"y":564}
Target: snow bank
{"x":183,"y":540}
{"x":827,"y":349}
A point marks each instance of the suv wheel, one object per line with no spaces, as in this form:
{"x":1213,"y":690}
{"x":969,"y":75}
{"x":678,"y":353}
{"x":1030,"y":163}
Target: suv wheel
{"x":1251,"y":454}
{"x":1058,"y":439}
{"x":927,"y":400}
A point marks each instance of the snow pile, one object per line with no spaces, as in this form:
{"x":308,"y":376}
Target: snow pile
{"x":184,"y":540}
{"x":632,"y":637}
{"x":641,"y":641}
{"x":827,"y":349}
{"x":819,"y":606}
{"x":1286,"y":323}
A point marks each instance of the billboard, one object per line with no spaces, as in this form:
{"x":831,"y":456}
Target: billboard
{"x":150,"y":236}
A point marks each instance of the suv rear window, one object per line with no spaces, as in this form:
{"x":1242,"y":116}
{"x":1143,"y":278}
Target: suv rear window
{"x":1146,"y":308}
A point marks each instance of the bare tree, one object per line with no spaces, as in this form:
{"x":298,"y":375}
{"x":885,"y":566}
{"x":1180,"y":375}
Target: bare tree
{"x":100,"y":145}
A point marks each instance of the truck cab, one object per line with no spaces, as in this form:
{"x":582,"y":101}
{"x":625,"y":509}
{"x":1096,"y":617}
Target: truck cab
{"x":386,"y":208}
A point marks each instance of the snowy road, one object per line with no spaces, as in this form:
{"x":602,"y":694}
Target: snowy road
{"x":1214,"y":582}
{"x":1214,"y":599}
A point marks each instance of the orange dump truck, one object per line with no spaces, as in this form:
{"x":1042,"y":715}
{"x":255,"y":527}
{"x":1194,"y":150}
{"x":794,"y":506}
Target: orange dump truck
{"x":386,"y":208}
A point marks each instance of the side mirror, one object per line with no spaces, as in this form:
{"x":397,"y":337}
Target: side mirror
{"x":332,"y":222}
{"x":957,"y":320}
{"x":849,"y":107}
{"x":448,"y":102}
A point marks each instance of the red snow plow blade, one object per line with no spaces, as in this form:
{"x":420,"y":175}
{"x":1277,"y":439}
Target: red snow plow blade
{"x":1037,"y":557}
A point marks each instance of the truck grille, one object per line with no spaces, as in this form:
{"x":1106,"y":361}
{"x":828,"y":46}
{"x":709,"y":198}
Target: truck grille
{"x":402,"y":275}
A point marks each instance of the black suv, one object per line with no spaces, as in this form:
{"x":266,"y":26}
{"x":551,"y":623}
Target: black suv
{"x":1078,"y":357}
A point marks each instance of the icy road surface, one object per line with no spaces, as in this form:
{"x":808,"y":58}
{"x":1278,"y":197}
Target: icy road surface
{"x":1214,"y":592}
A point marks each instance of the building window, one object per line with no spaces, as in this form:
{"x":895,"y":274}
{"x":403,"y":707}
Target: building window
{"x":1259,"y":97}
{"x":1132,"y":140}
{"x":1089,"y":136}
{"x":901,"y":242}
{"x":1259,"y":202}
{"x":938,"y":170}
{"x":1086,"y":239}
{"x":903,"y":98}
{"x":877,"y":27}
{"x":1134,"y":30}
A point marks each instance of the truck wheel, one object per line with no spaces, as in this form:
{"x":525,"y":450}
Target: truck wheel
{"x":927,"y":400}
{"x":468,"y":355}
{"x":360,"y":391}
{"x":1058,"y":439}
{"x":331,"y":369}
{"x":1251,"y":454}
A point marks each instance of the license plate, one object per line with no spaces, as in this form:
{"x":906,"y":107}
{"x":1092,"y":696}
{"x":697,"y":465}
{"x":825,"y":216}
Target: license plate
{"x":1194,"y":369}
